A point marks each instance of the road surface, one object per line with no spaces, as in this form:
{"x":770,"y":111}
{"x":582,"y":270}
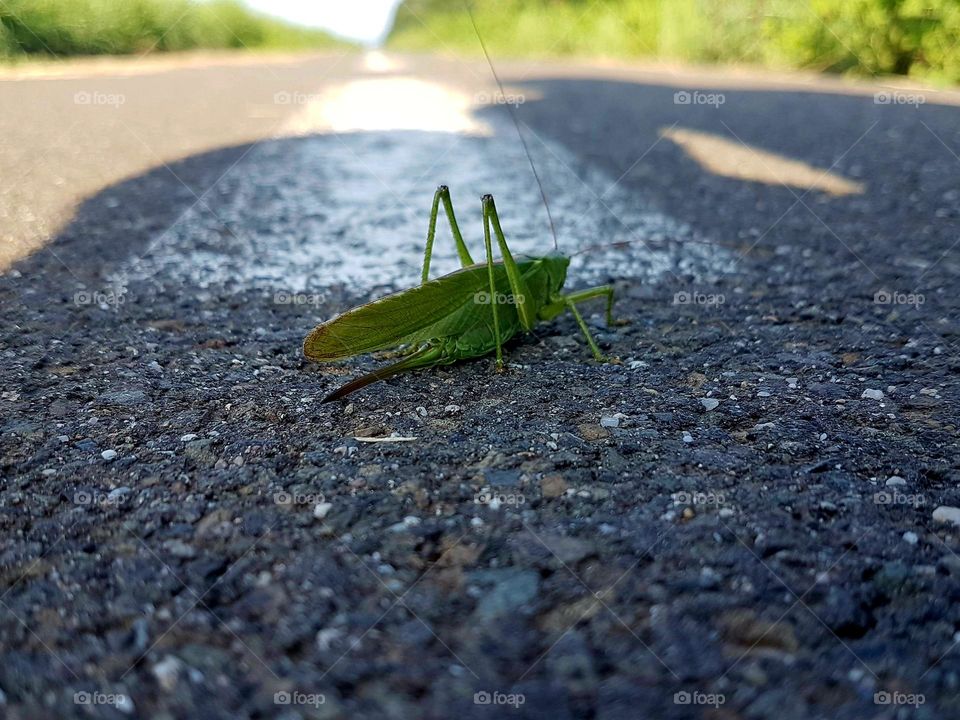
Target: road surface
{"x":750,"y":515}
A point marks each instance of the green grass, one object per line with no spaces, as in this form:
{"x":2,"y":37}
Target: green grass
{"x":93,"y":27}
{"x":920,"y":38}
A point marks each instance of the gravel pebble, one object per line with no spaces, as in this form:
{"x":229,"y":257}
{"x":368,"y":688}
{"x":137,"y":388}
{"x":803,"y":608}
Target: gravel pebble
{"x":947,"y":514}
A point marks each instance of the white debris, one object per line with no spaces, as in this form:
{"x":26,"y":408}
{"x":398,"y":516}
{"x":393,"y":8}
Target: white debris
{"x":167,"y":672}
{"x":947,"y":514}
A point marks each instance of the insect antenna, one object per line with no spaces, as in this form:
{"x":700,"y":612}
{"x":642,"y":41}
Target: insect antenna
{"x":516,"y":124}
{"x":623,"y":244}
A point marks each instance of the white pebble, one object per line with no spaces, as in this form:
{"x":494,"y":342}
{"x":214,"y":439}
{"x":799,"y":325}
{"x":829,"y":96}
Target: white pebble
{"x":452,"y":409}
{"x":320,"y":510}
{"x":872,"y":394}
{"x":726,"y":512}
{"x":167,"y":672}
{"x":910,"y":538}
{"x":894,"y":480}
{"x":709,"y":403}
{"x":188,"y":437}
{"x":687,"y":437}
{"x":946,"y":513}
{"x":609,"y":421}
{"x":109,"y":455}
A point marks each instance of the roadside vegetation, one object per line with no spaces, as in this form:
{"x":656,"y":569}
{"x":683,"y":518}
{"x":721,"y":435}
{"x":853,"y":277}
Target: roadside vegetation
{"x":919,"y":38}
{"x":92,"y":27}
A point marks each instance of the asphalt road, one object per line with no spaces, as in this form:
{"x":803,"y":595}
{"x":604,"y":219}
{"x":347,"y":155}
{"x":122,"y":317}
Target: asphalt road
{"x":748,"y":516}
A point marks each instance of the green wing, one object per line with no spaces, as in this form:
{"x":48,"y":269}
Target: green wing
{"x":439,"y":308}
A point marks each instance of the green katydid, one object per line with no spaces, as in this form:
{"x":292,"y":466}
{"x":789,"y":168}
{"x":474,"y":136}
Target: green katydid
{"x":466,"y":314}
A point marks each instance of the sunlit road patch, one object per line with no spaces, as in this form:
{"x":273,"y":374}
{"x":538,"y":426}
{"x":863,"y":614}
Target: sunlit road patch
{"x":345,"y":199}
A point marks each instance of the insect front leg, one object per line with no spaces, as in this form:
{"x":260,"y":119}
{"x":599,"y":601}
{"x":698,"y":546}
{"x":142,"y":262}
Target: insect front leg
{"x":517,"y":285}
{"x":598,"y":356}
{"x":488,"y":246}
{"x":599,"y":291}
{"x":443,"y":195}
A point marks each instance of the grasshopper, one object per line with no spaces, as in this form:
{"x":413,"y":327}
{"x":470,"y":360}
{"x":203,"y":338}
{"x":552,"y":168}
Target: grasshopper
{"x":467,"y":313}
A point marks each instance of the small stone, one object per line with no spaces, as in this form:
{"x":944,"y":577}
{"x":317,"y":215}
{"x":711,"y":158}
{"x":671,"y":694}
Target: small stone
{"x":792,"y":383}
{"x":726,"y":512}
{"x":947,"y":514}
{"x":320,"y":510}
{"x":512,"y":589}
{"x":687,"y":437}
{"x":451,"y":409}
{"x":188,"y":437}
{"x":119,"y":494}
{"x":109,"y":455}
{"x":910,"y":538}
{"x":179,"y":549}
{"x":895,"y":480}
{"x":872,"y":394}
{"x":609,"y":421}
{"x":167,"y":672}
{"x":709,"y":403}
{"x":48,"y":472}
{"x":591,"y":432}
{"x":553,"y":486}
{"x":408,"y":522}
{"x":688,"y":513}
{"x":63,"y":438}
{"x":763,"y":393}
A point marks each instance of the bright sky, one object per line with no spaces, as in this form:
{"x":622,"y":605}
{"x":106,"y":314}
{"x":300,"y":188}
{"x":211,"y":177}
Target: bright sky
{"x":363,"y":20}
